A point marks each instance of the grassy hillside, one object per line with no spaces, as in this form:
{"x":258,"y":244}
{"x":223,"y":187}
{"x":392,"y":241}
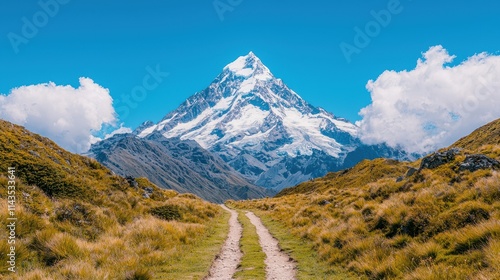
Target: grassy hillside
{"x":486,"y":135}
{"x":76,"y":220}
{"x":379,"y":221}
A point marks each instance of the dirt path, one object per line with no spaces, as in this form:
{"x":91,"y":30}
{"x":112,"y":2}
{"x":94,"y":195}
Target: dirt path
{"x":279,"y":266}
{"x":227,"y":261}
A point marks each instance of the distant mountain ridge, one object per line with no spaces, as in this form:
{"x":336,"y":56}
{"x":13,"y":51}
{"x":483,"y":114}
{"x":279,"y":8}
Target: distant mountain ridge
{"x":181,"y":165}
{"x":264,"y":130}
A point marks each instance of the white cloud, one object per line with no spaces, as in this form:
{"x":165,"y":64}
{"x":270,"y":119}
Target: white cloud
{"x":434,"y":104}
{"x":69,"y":116}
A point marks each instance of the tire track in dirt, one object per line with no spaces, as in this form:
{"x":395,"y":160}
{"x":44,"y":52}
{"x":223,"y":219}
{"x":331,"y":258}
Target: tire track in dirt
{"x":279,"y":266}
{"x":226,"y":263}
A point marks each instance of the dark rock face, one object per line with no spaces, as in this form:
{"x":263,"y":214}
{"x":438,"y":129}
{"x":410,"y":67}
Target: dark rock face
{"x":438,"y":159}
{"x":143,"y":126}
{"x":471,"y":162}
{"x":477,"y":162}
{"x":291,"y":170}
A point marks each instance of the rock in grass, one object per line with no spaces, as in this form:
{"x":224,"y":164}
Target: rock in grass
{"x":477,"y":162}
{"x":437,"y":159}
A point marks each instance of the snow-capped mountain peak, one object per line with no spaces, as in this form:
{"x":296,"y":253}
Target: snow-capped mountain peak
{"x":249,"y":66}
{"x":246,"y":107}
{"x":260,"y":127}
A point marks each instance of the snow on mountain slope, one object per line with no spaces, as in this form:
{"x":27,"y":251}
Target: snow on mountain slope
{"x":254,"y":122}
{"x":244,"y":103}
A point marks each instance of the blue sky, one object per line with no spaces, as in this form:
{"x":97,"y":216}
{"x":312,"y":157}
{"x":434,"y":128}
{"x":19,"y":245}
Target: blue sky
{"x":113,"y":43}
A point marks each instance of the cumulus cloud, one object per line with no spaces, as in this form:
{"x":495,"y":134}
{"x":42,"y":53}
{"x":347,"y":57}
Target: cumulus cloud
{"x":434,"y":104}
{"x":69,"y":116}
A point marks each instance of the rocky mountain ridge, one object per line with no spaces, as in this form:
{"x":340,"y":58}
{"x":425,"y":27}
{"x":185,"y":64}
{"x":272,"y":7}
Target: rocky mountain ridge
{"x":181,"y":165}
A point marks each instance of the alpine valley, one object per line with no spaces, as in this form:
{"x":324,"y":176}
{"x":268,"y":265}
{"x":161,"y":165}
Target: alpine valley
{"x":255,"y":130}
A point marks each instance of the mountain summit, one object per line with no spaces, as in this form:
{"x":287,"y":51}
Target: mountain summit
{"x":249,"y":66}
{"x":262,"y":128}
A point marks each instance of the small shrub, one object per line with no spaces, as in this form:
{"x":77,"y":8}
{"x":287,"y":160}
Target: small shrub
{"x":53,"y":246}
{"x":138,"y":274}
{"x":467,"y":213}
{"x":83,"y":219}
{"x":27,"y":223}
{"x":167,"y":212}
{"x":81,"y":270}
{"x":51,"y":180}
{"x":188,"y":196}
{"x":489,"y":188}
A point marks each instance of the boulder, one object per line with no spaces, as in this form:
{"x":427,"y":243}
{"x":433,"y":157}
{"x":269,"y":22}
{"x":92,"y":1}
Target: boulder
{"x":476,"y":162}
{"x":147,"y":192}
{"x":437,"y":159}
{"x":410,"y":172}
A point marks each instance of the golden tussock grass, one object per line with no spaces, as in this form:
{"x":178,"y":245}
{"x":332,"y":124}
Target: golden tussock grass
{"x":77,"y":240}
{"x":436,"y":224}
{"x":77,"y":220}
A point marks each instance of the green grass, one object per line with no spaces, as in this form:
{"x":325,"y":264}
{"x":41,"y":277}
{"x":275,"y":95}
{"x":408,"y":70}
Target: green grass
{"x":308,"y":264}
{"x":252,"y":264}
{"x":195,"y":263}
